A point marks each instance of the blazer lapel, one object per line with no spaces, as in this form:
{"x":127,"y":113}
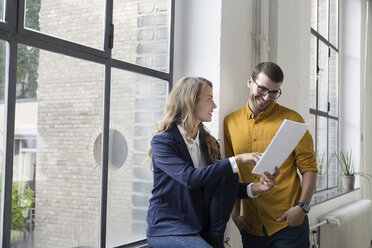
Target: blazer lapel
{"x":181,"y":144}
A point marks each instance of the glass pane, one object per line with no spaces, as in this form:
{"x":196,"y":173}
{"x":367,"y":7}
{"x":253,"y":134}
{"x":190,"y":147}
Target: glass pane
{"x":75,"y":21}
{"x":333,"y":22}
{"x":312,"y":126}
{"x":142,"y":32}
{"x":2,"y":77}
{"x":333,"y":148}
{"x":333,"y":83}
{"x":27,"y":73}
{"x":323,"y":78}
{"x":313,"y":71}
{"x":314,"y":14}
{"x":137,"y":103}
{"x":2,"y":88}
{"x":57,"y":182}
{"x":322,"y":153}
{"x":323,"y":18}
{"x":2,"y":10}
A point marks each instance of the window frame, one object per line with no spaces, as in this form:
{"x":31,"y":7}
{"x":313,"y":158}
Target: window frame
{"x":13,"y":32}
{"x":315,"y":112}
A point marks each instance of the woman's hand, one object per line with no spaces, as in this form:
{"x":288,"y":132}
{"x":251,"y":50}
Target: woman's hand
{"x":266,"y":182}
{"x":248,"y":158}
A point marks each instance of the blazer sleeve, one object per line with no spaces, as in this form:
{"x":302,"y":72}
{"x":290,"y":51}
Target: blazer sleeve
{"x":242,"y":191}
{"x":166,"y":156}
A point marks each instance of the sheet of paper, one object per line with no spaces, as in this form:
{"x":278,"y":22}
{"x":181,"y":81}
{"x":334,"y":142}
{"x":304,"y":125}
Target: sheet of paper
{"x":283,"y":143}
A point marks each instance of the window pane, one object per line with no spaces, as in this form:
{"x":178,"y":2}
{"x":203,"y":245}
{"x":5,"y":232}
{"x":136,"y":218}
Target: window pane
{"x":57,"y":181}
{"x":142,"y":32}
{"x":333,"y":83}
{"x":313,"y":71}
{"x":137,"y":103}
{"x":323,"y":18}
{"x":27,"y":73}
{"x":314,"y":14}
{"x":2,"y":88}
{"x":2,"y":10}
{"x":2,"y":74}
{"x":323,"y":78}
{"x":75,"y":21}
{"x":312,"y":126}
{"x":333,"y":22}
{"x":322,"y":153}
{"x":333,"y":149}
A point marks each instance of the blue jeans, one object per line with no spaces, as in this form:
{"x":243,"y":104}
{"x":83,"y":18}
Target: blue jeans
{"x":178,"y":241}
{"x":219,"y":200}
{"x":289,"y":237}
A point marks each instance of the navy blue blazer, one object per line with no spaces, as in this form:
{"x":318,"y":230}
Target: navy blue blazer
{"x":176,"y":205}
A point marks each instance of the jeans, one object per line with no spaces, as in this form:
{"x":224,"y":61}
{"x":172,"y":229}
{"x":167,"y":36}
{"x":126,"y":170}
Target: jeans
{"x":178,"y":241}
{"x":289,"y":237}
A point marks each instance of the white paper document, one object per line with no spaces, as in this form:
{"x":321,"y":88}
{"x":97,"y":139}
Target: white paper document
{"x":283,"y":143}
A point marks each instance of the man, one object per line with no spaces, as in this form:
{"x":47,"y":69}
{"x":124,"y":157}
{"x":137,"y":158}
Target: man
{"x":278,"y":218}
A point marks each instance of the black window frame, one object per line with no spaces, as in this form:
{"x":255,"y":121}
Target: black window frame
{"x":13,"y":32}
{"x":315,"y":111}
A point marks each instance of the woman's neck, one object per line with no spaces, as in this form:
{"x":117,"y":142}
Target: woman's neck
{"x":195,"y":131}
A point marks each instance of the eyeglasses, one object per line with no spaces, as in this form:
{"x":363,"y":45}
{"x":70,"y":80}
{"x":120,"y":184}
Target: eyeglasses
{"x":274,"y":94}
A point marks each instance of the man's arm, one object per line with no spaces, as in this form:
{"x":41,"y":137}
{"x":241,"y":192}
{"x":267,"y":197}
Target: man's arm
{"x":308,"y":186}
{"x":295,"y":215}
{"x":239,"y":221}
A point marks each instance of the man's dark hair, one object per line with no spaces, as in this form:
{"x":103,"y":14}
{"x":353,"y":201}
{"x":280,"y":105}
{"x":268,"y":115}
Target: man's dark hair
{"x":271,"y":70}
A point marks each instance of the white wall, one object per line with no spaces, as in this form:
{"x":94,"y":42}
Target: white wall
{"x":198,"y":43}
{"x":350,"y":76}
{"x":366,"y":92}
{"x":289,"y":36}
{"x":236,"y":53}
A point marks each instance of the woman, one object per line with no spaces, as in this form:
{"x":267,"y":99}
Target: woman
{"x":194,"y":191}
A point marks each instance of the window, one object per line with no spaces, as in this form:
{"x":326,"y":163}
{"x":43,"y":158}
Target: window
{"x":82,"y":84}
{"x":323,"y":113}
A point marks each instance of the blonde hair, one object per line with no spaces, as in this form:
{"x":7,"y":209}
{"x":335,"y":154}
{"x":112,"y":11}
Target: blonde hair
{"x":180,"y":110}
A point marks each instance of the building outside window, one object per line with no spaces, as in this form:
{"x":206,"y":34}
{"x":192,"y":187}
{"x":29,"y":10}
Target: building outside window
{"x":324,"y":113}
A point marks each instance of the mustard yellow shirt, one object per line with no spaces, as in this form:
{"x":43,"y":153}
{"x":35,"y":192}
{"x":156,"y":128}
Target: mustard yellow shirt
{"x":244,"y":133}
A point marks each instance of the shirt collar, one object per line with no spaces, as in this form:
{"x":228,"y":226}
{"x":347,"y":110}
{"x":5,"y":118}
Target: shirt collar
{"x":263,"y":114}
{"x":195,"y":141}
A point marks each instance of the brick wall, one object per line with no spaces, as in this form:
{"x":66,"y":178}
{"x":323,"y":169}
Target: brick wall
{"x":70,"y":113}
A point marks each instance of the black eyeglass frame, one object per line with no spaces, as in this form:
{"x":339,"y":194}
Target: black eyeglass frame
{"x":263,"y":91}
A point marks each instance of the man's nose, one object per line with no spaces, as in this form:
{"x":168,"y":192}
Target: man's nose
{"x":267,"y":97}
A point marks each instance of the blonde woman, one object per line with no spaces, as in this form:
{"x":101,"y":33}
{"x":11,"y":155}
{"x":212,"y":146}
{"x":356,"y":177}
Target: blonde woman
{"x":194,"y":191}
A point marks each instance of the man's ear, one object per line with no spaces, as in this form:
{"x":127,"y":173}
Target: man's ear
{"x":249,"y":82}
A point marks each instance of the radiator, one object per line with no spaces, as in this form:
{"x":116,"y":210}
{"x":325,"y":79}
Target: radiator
{"x":353,"y":228}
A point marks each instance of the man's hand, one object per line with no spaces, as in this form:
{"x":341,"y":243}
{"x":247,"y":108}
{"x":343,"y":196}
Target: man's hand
{"x":266,"y":182}
{"x":293,"y":217}
{"x":240,"y":223}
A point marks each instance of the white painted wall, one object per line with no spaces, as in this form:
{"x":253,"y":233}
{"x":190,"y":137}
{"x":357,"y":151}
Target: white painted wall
{"x":236,"y":53}
{"x":366,"y":92}
{"x":289,"y":36}
{"x":350,"y":76}
{"x":197,"y":45}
